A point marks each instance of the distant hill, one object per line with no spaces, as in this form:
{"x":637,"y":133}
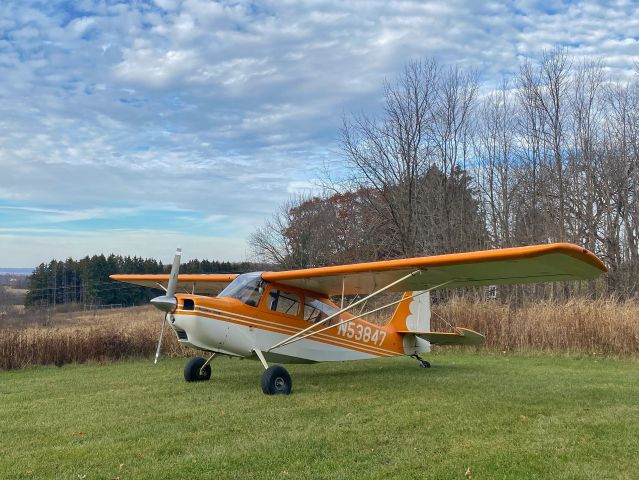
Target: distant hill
{"x":16,"y":271}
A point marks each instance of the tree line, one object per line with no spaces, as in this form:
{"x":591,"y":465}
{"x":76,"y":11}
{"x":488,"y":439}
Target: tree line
{"x":86,"y":281}
{"x":451,"y":165}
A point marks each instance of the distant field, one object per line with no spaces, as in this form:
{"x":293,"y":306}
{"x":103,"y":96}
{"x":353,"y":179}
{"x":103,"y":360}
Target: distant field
{"x":491,"y":415}
{"x":12,"y":296}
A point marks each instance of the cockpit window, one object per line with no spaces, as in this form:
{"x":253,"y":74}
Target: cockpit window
{"x":247,"y":288}
{"x":284,"y":302}
{"x":315,"y":311}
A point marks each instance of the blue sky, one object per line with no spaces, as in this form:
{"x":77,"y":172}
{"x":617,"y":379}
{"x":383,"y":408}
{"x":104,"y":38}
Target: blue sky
{"x":135,"y":127}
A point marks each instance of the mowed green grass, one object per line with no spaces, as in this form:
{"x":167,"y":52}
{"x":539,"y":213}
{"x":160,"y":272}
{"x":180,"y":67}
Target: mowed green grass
{"x":501,"y":416}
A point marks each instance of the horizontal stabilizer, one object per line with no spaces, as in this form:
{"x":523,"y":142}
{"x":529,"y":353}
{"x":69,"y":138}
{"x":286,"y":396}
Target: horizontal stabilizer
{"x":461,"y":336}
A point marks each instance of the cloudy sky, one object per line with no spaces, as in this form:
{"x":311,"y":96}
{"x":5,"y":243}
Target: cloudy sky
{"x":135,"y":127}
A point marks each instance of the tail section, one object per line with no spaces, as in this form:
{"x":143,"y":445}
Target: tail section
{"x":412,"y":320}
{"x":412,"y":315}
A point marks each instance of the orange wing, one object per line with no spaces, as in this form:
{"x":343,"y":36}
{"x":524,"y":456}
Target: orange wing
{"x":208,"y":284}
{"x":539,"y":263}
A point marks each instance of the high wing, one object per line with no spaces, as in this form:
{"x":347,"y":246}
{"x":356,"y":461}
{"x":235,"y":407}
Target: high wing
{"x":538,"y":263}
{"x":206,"y":284}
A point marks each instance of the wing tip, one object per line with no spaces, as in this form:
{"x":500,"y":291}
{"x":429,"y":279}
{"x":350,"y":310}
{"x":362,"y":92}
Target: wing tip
{"x":580,"y":253}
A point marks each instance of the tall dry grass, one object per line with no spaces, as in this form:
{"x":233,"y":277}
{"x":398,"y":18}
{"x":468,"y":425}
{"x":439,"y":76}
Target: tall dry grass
{"x":604,"y":327}
{"x":82,"y":337}
{"x":578,"y":326}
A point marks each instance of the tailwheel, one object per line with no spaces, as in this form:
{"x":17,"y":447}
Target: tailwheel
{"x":276,"y":381}
{"x":422,"y":363}
{"x":197,"y":370}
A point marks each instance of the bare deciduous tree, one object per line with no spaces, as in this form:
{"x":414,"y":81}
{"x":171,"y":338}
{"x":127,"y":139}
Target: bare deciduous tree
{"x":495,"y":144}
{"x":554,"y":156}
{"x":383,"y":154}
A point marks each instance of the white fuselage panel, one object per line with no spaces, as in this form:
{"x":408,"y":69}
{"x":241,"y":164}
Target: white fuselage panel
{"x":219,"y":335}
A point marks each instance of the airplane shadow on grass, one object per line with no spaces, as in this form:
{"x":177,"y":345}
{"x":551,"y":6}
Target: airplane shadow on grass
{"x":369,"y":374}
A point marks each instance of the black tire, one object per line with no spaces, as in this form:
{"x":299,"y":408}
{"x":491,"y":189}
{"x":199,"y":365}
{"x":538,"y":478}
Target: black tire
{"x":276,"y":381}
{"x":192,"y":370}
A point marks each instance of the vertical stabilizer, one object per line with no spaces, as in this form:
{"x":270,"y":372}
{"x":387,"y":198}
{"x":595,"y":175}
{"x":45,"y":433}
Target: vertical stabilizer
{"x":413,"y":314}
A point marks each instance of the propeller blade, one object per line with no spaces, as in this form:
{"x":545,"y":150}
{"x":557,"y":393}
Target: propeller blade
{"x":157,"y":351}
{"x":168,"y":302}
{"x":173,"y":278}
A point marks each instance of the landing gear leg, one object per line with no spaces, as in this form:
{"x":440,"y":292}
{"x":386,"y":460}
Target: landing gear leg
{"x":206,"y":364}
{"x":260,"y":355}
{"x":422,"y":362}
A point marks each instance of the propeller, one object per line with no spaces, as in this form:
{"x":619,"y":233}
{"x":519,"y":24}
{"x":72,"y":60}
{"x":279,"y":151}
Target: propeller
{"x":167,"y":302}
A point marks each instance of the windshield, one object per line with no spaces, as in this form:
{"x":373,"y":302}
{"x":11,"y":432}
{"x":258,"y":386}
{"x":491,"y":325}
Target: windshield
{"x":247,"y":288}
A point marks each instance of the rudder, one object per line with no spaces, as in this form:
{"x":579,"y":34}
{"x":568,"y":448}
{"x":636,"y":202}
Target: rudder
{"x":413,"y":314}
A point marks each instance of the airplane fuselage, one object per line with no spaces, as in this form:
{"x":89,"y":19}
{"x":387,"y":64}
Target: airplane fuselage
{"x":232,"y":327}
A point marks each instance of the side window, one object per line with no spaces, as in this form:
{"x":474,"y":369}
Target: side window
{"x":284,"y":302}
{"x":311,"y":311}
{"x":253,"y":296}
{"x":315,"y":310}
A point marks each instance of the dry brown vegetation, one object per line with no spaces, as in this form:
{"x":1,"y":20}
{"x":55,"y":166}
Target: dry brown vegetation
{"x":602,"y":327}
{"x":81,"y":337}
{"x":605,"y":327}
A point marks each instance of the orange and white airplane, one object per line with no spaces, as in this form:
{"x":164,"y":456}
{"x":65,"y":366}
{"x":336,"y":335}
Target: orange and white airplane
{"x":288,"y":317}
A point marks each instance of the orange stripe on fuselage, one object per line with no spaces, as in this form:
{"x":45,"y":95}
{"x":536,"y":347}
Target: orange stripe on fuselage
{"x":336,"y":341}
{"x":327,"y":337}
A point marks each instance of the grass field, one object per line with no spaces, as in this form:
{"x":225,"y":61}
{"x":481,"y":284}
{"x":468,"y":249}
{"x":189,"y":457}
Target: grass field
{"x":473,"y":415}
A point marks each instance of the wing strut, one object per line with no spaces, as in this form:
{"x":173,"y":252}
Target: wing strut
{"x":315,"y":332}
{"x":376,"y":292}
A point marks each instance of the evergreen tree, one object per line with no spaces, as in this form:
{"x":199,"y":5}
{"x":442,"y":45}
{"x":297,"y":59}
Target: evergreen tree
{"x":86,"y":281}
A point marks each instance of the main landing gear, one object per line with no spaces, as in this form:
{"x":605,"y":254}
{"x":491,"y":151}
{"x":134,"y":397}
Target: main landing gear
{"x":198,"y":369}
{"x":276,"y":379}
{"x":422,"y":362}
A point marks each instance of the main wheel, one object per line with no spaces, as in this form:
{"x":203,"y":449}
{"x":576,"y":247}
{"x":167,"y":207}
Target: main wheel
{"x":276,"y":381}
{"x":192,"y":370}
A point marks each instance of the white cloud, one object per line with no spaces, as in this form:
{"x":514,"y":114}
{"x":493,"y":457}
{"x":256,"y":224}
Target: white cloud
{"x":31,"y":250}
{"x":52,"y":216}
{"x":80,"y":25}
{"x":154,"y":68}
{"x":304,"y":187}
